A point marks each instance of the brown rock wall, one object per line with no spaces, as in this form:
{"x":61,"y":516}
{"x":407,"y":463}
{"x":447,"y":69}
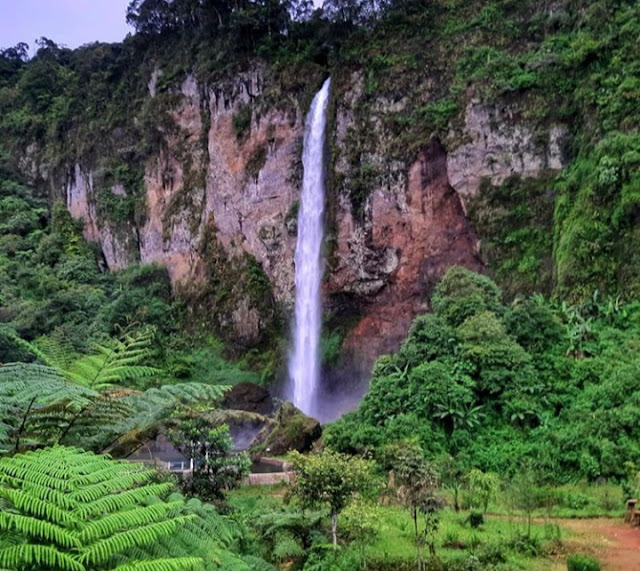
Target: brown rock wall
{"x":417,"y":239}
{"x":212,"y":182}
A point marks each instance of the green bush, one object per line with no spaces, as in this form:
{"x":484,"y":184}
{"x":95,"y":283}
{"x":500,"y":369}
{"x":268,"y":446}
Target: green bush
{"x":462,"y":294}
{"x":476,"y":519}
{"x":492,"y":554}
{"x":581,"y":562}
{"x":465,"y":563}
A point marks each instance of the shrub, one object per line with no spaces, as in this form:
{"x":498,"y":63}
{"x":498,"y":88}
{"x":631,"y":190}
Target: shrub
{"x":576,"y":500}
{"x":471,"y":563}
{"x":476,"y":519}
{"x":581,"y":562}
{"x":462,"y":294}
{"x":526,"y":544}
{"x":492,"y":554}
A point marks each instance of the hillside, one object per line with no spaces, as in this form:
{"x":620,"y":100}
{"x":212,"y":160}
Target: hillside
{"x":480,"y":301}
{"x":493,"y":135}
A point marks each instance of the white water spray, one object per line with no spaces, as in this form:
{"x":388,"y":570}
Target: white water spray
{"x":304,"y":361}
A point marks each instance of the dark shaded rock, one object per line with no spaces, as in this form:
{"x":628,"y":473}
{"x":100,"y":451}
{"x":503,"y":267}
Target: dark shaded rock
{"x":159,"y":451}
{"x":293,"y":430}
{"x":249,"y":397}
{"x":245,"y":430}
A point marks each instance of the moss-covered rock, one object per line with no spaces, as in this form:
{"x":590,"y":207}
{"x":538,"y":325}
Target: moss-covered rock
{"x":293,"y":430}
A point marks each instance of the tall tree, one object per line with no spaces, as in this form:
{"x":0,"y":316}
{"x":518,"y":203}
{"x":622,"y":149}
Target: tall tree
{"x":149,"y":17}
{"x":331,"y":479}
{"x":417,"y":481}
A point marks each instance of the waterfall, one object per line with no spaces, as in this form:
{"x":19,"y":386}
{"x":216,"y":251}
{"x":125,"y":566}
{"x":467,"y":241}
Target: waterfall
{"x":304,"y":360}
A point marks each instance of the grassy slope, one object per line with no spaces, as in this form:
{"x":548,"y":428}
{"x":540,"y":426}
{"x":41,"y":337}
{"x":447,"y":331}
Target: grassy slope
{"x":500,"y":538}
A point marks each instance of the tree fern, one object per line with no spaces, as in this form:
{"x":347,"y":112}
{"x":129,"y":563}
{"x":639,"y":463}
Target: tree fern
{"x":155,"y":405}
{"x":45,"y":507}
{"x":284,"y":531}
{"x":208,"y":535}
{"x":114,"y":362}
{"x":39,"y":406}
{"x":54,"y":350}
{"x":286,"y":546}
{"x":28,"y":394}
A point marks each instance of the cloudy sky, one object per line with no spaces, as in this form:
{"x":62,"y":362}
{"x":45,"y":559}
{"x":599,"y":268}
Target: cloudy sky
{"x":68,"y":22}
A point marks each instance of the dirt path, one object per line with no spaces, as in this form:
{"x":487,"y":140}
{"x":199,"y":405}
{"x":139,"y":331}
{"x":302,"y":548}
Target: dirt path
{"x":614,"y":543}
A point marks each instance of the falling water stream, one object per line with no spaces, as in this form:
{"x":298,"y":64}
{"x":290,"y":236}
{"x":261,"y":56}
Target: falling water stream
{"x":304,"y":360}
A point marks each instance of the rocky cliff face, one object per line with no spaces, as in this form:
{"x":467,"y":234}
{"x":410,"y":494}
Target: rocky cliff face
{"x":413,"y":223}
{"x":221,"y":195}
{"x":222,"y":183}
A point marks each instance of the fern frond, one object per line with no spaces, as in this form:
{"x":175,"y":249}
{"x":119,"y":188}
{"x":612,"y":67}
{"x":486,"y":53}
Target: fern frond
{"x":114,"y":481}
{"x":69,"y":510}
{"x":35,"y":528}
{"x":115,"y":362}
{"x":30,"y":348}
{"x":123,"y":520}
{"x":193,"y":392}
{"x":35,"y":401}
{"x":37,"y":557}
{"x":286,"y":547}
{"x":178,"y":564}
{"x":209,"y":535}
{"x":40,"y":406}
{"x":55,"y":350}
{"x":101,"y":550}
{"x":119,"y":500}
{"x":25,"y":502}
{"x":46,"y":493}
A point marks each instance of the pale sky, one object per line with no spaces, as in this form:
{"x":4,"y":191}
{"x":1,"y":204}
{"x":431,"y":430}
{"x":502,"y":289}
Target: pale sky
{"x":68,"y":22}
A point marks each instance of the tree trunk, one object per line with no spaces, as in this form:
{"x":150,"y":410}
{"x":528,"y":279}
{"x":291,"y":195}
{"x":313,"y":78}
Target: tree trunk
{"x":414,"y":514}
{"x":334,"y":529}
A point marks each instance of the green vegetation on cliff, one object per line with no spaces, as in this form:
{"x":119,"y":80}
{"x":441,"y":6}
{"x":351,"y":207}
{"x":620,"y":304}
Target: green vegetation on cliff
{"x":419,"y":64}
{"x":573,"y":65}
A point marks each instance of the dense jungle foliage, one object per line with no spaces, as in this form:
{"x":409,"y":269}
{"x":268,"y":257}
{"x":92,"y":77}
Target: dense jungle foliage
{"x":530,"y":373}
{"x":549,"y":386}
